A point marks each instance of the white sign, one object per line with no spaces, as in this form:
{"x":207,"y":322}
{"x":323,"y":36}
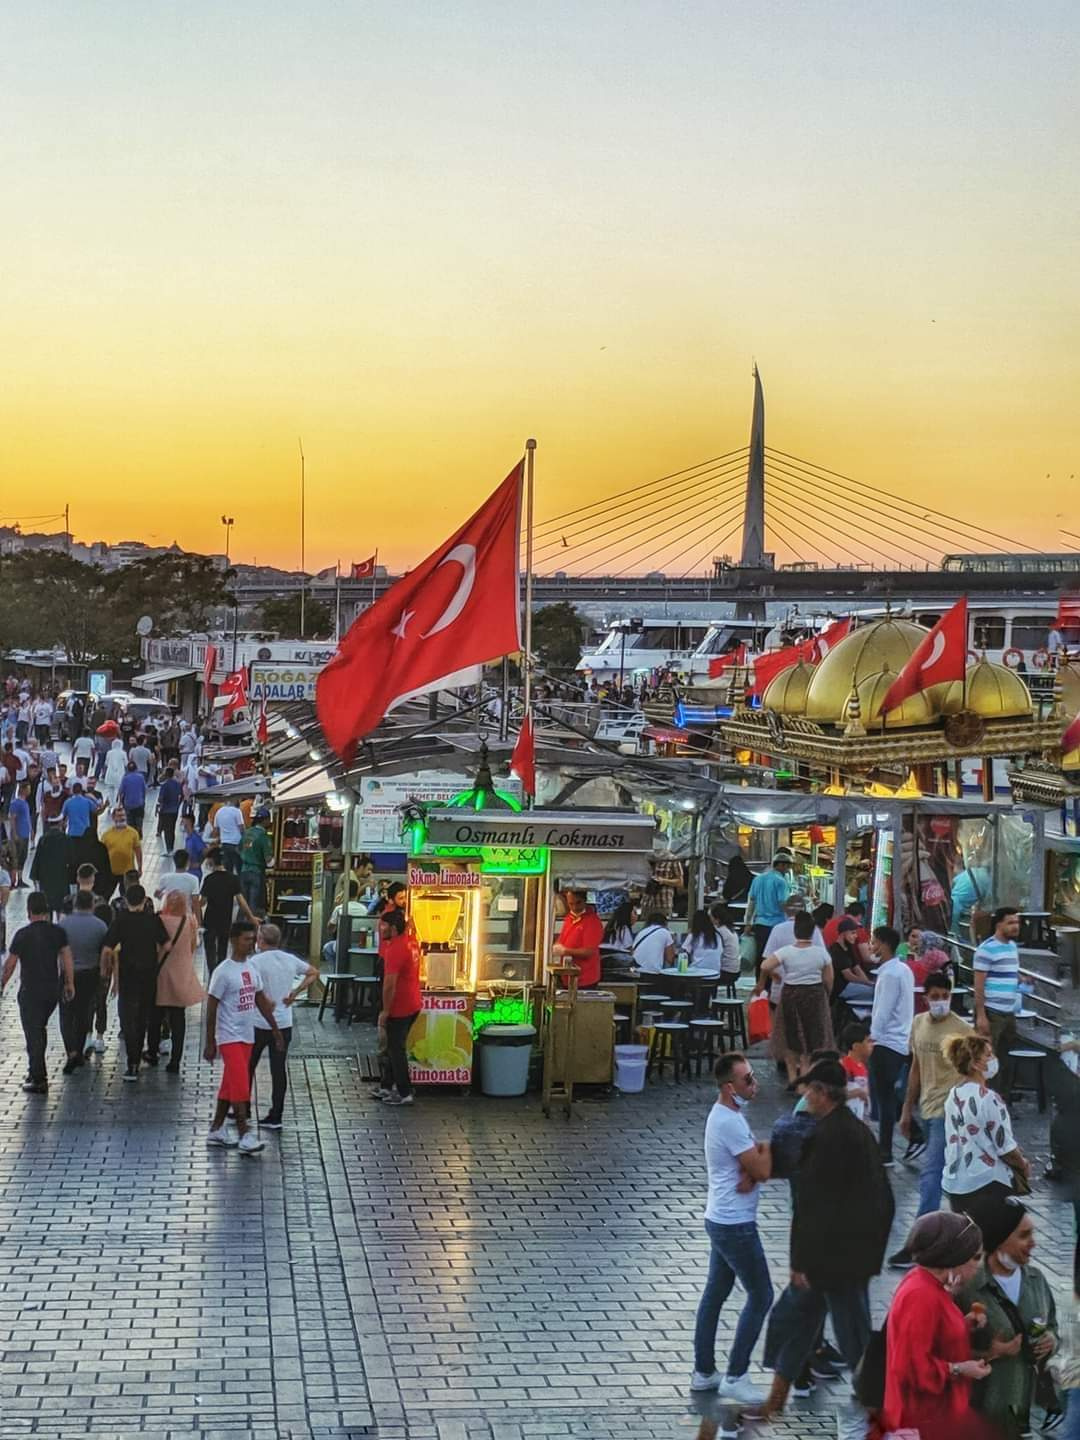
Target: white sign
{"x":283,"y":683}
{"x":377,"y":816}
{"x":555,"y":829}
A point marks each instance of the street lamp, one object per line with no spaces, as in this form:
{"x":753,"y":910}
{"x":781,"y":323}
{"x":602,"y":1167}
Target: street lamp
{"x":227,"y":521}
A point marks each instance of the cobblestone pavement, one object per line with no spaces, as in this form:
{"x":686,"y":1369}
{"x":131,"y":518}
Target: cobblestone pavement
{"x":464,"y":1270}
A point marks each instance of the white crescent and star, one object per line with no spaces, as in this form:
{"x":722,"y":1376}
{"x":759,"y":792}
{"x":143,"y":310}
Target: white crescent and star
{"x":937,"y":649}
{"x":465,"y":556}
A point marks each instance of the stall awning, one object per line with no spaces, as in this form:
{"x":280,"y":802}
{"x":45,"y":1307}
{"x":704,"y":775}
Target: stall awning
{"x":153,"y":678}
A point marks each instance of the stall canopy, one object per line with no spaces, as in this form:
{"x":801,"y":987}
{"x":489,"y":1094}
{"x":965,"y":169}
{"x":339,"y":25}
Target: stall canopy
{"x":159,"y":677}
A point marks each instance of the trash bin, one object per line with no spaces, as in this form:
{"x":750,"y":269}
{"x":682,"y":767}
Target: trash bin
{"x":630,"y":1061}
{"x":505,"y":1051}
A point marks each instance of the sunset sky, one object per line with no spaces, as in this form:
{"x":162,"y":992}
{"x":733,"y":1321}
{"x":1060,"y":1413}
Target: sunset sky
{"x":416,"y":233}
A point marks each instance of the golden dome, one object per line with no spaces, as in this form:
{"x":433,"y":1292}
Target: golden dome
{"x":1068,"y":678}
{"x":996,"y":692}
{"x":947,"y":698}
{"x":871,"y":653}
{"x":786,"y":693}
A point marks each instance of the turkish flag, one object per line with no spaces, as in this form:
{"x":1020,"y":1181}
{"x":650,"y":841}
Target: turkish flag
{"x":262,"y":730}
{"x":235,"y":687}
{"x":457,"y":609}
{"x":1071,"y":739}
{"x":523,"y":760}
{"x":363,"y":569}
{"x":1068,"y":615}
{"x":941,"y":656}
{"x":727,"y":660}
{"x":209,"y":666}
{"x":771,"y":664}
{"x":820,"y":645}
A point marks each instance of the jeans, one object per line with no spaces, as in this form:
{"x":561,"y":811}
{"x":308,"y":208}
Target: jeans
{"x":139,"y":1018}
{"x":1003,"y":1034}
{"x":796,"y":1320}
{"x":885,"y":1069}
{"x":933,"y":1165}
{"x":735,"y":1254}
{"x":393,"y":1062}
{"x":253,"y":887}
{"x":217,"y":947}
{"x":75,"y":1014}
{"x":1072,"y":1415}
{"x":231,"y":855}
{"x":856,"y":993}
{"x":34,"y":1012}
{"x":279,"y":1068}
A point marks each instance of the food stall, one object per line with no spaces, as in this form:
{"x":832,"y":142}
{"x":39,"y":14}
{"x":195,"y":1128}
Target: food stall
{"x":484,"y":901}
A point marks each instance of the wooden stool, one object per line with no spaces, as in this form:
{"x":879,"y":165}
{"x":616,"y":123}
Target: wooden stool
{"x":335,"y":986}
{"x":670,"y":1041}
{"x":705,"y":1037}
{"x":732,"y":1015}
{"x":1035,"y":1059}
{"x":676,"y":1010}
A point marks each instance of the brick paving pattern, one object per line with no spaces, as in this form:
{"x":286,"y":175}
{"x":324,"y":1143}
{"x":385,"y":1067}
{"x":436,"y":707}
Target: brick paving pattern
{"x":465,"y":1270}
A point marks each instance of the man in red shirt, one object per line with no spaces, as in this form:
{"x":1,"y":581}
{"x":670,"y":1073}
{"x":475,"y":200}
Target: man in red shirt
{"x":855,"y":911}
{"x":580,"y":937}
{"x":400,"y":1005}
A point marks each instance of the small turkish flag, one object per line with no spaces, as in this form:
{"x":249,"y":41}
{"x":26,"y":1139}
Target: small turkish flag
{"x":941,"y":656}
{"x":458,"y":609}
{"x":235,"y":687}
{"x":1071,"y":739}
{"x":262,"y":730}
{"x":209,"y":666}
{"x":523,"y":760}
{"x":819,"y":646}
{"x":363,"y":569}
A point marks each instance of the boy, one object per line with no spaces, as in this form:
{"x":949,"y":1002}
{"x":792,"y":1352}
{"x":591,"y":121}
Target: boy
{"x":236,"y":992}
{"x":856,"y":1047}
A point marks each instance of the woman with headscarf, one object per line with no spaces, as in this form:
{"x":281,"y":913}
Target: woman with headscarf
{"x":177,"y":984}
{"x":926,"y":955}
{"x":115,"y":770}
{"x":929,"y":1369}
{"x":1021,"y":1332}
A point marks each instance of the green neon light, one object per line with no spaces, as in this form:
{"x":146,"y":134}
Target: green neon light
{"x":505,"y":1010}
{"x":497,"y":860}
{"x":481,"y":799}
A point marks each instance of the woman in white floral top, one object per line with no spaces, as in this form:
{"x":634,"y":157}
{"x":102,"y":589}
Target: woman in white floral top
{"x":981,"y":1156}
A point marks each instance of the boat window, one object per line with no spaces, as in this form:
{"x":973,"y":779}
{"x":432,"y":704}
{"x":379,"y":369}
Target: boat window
{"x":929,"y":619}
{"x":988,"y":632}
{"x":1031,"y":632}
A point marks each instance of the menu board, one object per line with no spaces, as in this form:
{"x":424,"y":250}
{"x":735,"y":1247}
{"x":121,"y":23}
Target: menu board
{"x":377,"y":814}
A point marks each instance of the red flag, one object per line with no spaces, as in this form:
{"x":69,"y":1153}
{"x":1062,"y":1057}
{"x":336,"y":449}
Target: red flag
{"x":1071,"y":739}
{"x":727,"y":660}
{"x":209,"y":666}
{"x":771,"y":664}
{"x":820,"y":645}
{"x":523,"y":760}
{"x":363,"y":569}
{"x":235,"y":687}
{"x":262,"y":730}
{"x":456,"y":610}
{"x":1068,"y":611}
{"x":941,"y":656}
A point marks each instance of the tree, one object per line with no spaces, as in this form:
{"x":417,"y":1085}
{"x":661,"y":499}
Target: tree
{"x":282,"y":614}
{"x":558,"y":634}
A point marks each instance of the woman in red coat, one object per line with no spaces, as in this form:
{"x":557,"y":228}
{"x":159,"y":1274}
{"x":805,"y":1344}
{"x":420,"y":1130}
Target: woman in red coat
{"x":929,"y":1370}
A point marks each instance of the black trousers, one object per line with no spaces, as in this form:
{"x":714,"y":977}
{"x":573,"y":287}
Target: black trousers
{"x":176,"y":1016}
{"x":761,"y":939}
{"x":279,"y":1068}
{"x":217,"y":947}
{"x":885,"y":1067}
{"x":167,"y":827}
{"x":139,"y":1020}
{"x":101,"y":1004}
{"x":76,"y":1013}
{"x":135,"y":817}
{"x":34,"y":1012}
{"x":394,"y":1063}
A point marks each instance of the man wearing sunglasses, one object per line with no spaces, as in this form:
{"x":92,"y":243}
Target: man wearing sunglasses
{"x":737,"y":1164}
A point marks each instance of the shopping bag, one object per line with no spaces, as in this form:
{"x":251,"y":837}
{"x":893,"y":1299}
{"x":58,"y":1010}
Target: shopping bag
{"x":758,"y":1019}
{"x":748,"y":951}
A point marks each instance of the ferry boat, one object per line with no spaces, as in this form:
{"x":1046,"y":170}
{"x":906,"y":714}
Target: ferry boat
{"x":634,"y":649}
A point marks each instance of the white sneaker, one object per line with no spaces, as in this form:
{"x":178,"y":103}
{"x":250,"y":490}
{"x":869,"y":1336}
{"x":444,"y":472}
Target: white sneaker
{"x":698,"y":1381}
{"x":852,"y":1422}
{"x":165,"y":1046}
{"x":740,"y":1391}
{"x":250,"y":1144}
{"x":99,"y":1045}
{"x":222,"y":1137}
{"x":398,"y":1099}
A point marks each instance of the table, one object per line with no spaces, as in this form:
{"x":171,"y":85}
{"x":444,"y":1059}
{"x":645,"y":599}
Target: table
{"x":697,"y":987}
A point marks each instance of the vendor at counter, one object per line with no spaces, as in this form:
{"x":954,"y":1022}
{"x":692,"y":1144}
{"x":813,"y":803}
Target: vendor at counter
{"x":580,"y":937}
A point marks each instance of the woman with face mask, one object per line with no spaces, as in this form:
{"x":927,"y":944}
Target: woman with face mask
{"x":1021,"y":1330}
{"x":929,"y":1367}
{"x":982,"y":1160}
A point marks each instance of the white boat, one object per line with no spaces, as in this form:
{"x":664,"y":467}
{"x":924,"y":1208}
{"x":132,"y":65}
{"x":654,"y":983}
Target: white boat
{"x":634,"y":649}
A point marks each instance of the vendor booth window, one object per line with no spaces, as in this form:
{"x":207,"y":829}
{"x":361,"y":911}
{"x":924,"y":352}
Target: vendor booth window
{"x":955,"y":872}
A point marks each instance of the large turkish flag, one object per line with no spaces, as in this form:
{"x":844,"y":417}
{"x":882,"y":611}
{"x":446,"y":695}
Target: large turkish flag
{"x":941,"y":656}
{"x":458,"y":609}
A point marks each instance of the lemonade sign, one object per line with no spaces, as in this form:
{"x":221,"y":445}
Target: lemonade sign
{"x":440,"y":1043}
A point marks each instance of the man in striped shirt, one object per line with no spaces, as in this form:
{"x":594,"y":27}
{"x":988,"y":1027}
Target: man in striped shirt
{"x":997,"y":990}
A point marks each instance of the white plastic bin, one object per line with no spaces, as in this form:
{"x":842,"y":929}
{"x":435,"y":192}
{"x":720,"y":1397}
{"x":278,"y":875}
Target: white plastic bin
{"x":630,"y":1062}
{"x":505,"y":1052}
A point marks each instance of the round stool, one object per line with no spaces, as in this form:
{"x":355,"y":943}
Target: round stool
{"x":676,"y":1009}
{"x":732,"y":1015}
{"x":651,"y":999}
{"x":706,"y":1042}
{"x":1033,"y":1060}
{"x":670,"y":1041}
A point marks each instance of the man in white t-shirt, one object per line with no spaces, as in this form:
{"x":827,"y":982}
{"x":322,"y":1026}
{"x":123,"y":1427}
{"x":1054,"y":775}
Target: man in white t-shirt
{"x":229,"y":824}
{"x":285,"y":977}
{"x":737,"y":1164}
{"x":185,"y":881}
{"x":784,"y":933}
{"x":235,"y":994}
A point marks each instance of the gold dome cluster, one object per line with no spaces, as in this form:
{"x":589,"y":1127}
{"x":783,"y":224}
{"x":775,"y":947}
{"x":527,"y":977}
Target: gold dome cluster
{"x":851,"y":683}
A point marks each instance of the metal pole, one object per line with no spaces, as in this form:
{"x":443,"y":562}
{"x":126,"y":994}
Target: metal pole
{"x":622,"y":655}
{"x":530,"y":452}
{"x":302,"y":508}
{"x":337,"y":600}
{"x":374,"y":570}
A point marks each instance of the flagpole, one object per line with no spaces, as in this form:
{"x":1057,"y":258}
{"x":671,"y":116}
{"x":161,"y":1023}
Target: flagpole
{"x":337,"y":599}
{"x":374,"y":572}
{"x":303,"y":507}
{"x":530,"y":453}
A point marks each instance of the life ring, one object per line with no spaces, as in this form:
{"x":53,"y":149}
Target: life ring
{"x":1013,"y":658}
{"x":1040,"y":658}
{"x":973,"y":657}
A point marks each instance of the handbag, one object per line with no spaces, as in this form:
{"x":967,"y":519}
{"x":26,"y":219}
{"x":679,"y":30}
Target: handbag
{"x":758,"y":1019}
{"x":868,"y":1381}
{"x":748,"y":949}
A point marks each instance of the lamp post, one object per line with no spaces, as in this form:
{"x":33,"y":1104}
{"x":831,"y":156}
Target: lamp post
{"x":227,"y":521}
